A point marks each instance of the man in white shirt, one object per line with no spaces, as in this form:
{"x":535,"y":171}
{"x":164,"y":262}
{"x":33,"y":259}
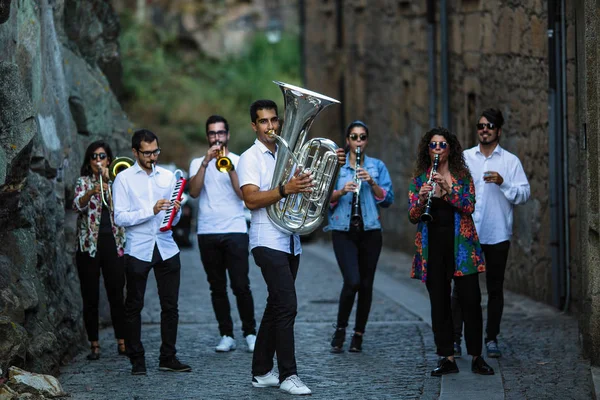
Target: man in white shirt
{"x":222,"y":234}
{"x":276,"y":253}
{"x":141,"y":196}
{"x":500,"y":184}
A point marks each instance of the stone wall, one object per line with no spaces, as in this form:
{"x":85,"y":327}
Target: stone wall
{"x":58,"y":63}
{"x":588,"y":202}
{"x":373,"y":57}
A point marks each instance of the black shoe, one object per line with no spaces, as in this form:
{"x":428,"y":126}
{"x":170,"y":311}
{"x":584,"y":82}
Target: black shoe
{"x":94,"y":354}
{"x":138,"y":366}
{"x":479,"y":366}
{"x":337,"y":340}
{"x":356,"y":343}
{"x":445,"y":366}
{"x":172,"y":364}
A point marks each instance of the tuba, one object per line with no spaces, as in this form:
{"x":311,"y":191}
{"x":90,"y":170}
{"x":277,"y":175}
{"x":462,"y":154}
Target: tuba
{"x":117,"y":165}
{"x":302,"y":213}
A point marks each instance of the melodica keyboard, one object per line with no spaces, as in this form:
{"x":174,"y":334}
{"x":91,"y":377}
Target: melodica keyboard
{"x":177,"y":194}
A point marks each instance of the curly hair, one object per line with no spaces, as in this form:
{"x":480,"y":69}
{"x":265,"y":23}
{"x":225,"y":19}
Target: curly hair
{"x":456,"y":160}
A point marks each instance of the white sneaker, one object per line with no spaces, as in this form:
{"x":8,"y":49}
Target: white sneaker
{"x":227,"y":343}
{"x":251,"y":341}
{"x":293,"y":385}
{"x":270,"y":379}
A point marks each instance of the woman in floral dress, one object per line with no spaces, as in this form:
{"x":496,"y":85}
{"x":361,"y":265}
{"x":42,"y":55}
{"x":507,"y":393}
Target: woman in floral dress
{"x":100,"y":246}
{"x":448,"y":247}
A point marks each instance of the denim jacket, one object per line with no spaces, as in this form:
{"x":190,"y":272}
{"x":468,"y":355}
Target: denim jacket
{"x":339,"y":213}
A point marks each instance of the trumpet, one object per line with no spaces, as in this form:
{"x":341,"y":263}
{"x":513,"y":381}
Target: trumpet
{"x":426,"y":216}
{"x":223,"y":162}
{"x":356,"y":218}
{"x":119,"y":164}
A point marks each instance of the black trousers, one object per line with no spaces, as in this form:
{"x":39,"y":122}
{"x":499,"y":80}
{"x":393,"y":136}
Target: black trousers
{"x":496,"y":256}
{"x":167,"y":274}
{"x":357,"y":253}
{"x":220,"y":254}
{"x":111,"y":266}
{"x":440,"y":270}
{"x":276,"y":332}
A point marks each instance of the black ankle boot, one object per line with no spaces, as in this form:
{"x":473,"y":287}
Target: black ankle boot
{"x":337,"y":340}
{"x":356,"y":343}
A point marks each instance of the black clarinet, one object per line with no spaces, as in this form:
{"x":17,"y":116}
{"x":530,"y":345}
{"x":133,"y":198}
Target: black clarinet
{"x":356,"y":218}
{"x":426,"y":216}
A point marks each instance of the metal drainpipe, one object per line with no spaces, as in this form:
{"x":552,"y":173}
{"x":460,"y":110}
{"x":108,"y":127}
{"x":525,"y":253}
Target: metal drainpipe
{"x":565,"y":149}
{"x":444,"y":63}
{"x":339,"y":12}
{"x":432,"y":83}
{"x":555,"y":162}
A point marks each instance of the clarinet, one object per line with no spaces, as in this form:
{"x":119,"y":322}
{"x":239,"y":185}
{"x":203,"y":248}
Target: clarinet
{"x":426,"y":216}
{"x":356,"y":218}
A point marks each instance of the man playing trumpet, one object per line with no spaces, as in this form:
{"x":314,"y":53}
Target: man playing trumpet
{"x":222,"y":233}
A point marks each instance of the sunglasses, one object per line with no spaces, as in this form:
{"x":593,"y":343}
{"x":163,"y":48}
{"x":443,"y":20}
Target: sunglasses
{"x":150,"y":153}
{"x":433,"y":145}
{"x":355,"y":137}
{"x":101,"y":156}
{"x":489,"y":125}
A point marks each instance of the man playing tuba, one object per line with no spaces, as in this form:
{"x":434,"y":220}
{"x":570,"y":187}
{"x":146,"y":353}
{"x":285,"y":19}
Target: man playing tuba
{"x":277,"y":253}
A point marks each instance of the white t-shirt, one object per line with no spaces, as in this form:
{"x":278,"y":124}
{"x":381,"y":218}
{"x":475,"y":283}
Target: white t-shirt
{"x":220,"y":210}
{"x":257,"y":165}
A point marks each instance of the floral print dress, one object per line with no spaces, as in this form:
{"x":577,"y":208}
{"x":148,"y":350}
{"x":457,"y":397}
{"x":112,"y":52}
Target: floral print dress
{"x":468,"y":254}
{"x":88,"y":221}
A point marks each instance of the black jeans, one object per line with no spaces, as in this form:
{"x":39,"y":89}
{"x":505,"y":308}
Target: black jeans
{"x":111,"y":266}
{"x":496,"y":256}
{"x":222,"y":253}
{"x":357,"y":253}
{"x":440,"y":270}
{"x":276,"y":332}
{"x":167,"y":274}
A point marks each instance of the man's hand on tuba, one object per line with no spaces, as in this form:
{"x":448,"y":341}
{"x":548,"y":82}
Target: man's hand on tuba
{"x":341,"y":155}
{"x":301,"y":182}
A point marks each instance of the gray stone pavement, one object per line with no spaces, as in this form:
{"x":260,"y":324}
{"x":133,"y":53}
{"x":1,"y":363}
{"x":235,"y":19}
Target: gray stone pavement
{"x":541,"y":357}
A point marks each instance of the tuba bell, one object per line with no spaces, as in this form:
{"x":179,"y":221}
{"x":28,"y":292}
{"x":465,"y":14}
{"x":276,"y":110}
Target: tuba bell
{"x":302,"y":213}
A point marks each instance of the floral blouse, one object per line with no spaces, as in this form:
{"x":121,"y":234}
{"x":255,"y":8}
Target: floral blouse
{"x":88,"y":221}
{"x":467,"y":249}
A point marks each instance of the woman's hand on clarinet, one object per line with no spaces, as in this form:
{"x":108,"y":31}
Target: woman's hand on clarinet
{"x":442,"y":183}
{"x":349,"y":187}
{"x":424,"y":192}
{"x":363,"y":175}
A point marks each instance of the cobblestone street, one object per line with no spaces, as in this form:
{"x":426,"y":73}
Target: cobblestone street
{"x":398,"y":352}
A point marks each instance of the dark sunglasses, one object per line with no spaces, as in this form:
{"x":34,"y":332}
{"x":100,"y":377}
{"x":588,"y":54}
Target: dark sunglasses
{"x":149,"y":153}
{"x":489,"y":125}
{"x":355,"y":137}
{"x":433,"y":145}
{"x":102,"y":156}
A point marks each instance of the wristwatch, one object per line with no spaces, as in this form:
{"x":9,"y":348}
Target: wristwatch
{"x":282,"y":192}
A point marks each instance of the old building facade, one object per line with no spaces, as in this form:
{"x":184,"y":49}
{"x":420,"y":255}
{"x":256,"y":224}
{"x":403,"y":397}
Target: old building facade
{"x":405,"y":66}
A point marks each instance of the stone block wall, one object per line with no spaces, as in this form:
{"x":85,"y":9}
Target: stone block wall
{"x":58,"y":68}
{"x":373,"y":57}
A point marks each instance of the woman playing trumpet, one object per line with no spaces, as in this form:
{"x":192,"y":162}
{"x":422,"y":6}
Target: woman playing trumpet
{"x":361,"y":189}
{"x":447,"y":247}
{"x":100,"y":245}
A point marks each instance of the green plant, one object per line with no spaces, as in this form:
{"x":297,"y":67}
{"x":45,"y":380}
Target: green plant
{"x":172,"y":90}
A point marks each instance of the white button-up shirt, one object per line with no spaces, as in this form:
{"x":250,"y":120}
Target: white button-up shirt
{"x":256,"y":167}
{"x":135,"y":193}
{"x":493,"y":214}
